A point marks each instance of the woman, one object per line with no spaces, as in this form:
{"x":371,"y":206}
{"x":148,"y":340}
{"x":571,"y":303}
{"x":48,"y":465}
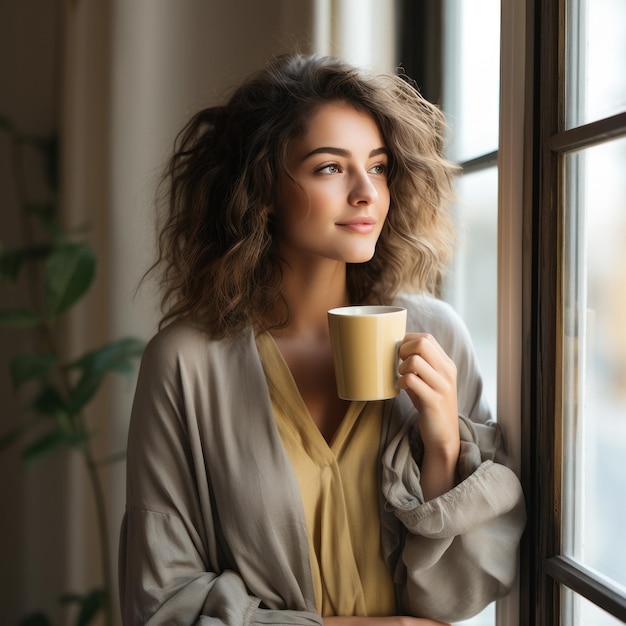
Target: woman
{"x":256,"y":495}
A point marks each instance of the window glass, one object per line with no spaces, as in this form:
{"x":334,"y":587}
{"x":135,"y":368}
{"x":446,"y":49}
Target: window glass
{"x":472,"y":76}
{"x":471,"y":103}
{"x":472,"y":283}
{"x":578,"y":611}
{"x":594,"y":506}
{"x":471,"y":73}
{"x":596,"y":49}
{"x":485,"y":618}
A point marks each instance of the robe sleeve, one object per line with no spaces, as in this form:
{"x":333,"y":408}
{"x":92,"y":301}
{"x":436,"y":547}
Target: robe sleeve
{"x":173,"y":562}
{"x":458,"y":552}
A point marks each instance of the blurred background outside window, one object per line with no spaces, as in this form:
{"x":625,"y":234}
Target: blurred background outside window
{"x":470,"y":98}
{"x":594,"y":395}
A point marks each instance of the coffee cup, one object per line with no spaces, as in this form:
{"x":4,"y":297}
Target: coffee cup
{"x":365,"y":342}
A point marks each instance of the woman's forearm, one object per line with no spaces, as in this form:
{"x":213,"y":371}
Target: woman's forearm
{"x":438,"y":473}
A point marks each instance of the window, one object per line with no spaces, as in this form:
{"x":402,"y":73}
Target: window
{"x":460,"y":70}
{"x":470,"y":100}
{"x":578,"y":368}
{"x":561,"y":217}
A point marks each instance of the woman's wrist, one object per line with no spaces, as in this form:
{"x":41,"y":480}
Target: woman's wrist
{"x":439,"y":470}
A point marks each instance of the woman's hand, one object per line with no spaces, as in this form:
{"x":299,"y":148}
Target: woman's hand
{"x":399,"y":620}
{"x":429,"y":377}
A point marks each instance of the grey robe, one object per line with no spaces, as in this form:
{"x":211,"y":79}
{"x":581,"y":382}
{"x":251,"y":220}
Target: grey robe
{"x":214,"y":530}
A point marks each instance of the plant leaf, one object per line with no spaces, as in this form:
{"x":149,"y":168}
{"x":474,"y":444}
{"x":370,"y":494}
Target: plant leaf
{"x":35,"y":619}
{"x":19,"y":317}
{"x":115,"y":356}
{"x":46,"y":215}
{"x":10,"y":265}
{"x":90,"y":606}
{"x":12,"y":261}
{"x":49,"y":147}
{"x":50,"y":402}
{"x":70,"y":270}
{"x":70,"y":597}
{"x":25,"y":367}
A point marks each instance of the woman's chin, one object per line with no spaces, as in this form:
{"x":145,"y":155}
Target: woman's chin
{"x":360,"y":258}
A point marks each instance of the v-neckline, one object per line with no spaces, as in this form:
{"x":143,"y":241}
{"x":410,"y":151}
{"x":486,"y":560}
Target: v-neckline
{"x":285,"y":389}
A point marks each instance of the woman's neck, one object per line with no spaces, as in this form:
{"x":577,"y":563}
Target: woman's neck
{"x":305,"y":342}
{"x":309,"y":293}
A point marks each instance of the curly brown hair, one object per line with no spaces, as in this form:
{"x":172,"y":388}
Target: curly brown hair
{"x":217,"y":255}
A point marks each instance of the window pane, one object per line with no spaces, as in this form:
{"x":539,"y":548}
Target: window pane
{"x":578,"y":611}
{"x":471,"y":94}
{"x":484,"y":618}
{"x":594,"y":502}
{"x":472,"y":283}
{"x":472,"y":76}
{"x":596,"y":49}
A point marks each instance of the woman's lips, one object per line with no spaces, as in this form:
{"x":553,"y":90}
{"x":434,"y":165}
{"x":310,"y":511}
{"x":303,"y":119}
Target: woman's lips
{"x":363,"y":226}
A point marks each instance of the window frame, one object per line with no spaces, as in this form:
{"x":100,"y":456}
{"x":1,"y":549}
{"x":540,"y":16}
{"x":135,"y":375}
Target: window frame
{"x":533,"y":144}
{"x":427,"y":17}
{"x":544,"y":568}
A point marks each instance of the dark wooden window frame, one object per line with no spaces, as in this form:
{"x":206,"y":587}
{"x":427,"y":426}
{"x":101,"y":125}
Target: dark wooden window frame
{"x":544,"y":568}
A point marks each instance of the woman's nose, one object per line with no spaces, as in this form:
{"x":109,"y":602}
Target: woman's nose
{"x":363,"y":191}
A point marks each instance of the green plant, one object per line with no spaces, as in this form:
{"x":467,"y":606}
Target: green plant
{"x":58,"y":268}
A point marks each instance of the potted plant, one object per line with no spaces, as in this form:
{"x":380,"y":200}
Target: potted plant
{"x":55,"y":387}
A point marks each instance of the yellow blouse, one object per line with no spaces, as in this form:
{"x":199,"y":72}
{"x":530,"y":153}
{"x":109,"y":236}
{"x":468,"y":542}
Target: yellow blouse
{"x":339,"y":487}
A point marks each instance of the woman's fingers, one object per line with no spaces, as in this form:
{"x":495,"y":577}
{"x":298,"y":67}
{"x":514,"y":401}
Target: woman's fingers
{"x":429,"y":376}
{"x":425,"y":360}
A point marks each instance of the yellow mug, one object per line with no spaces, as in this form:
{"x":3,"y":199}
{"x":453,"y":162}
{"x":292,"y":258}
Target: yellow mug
{"x":365,"y":342}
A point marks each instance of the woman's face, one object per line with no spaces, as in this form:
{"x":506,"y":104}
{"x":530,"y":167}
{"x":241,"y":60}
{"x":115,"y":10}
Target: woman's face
{"x":339,"y":201}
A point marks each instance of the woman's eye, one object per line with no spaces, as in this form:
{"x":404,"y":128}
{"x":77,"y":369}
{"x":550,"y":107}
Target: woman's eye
{"x":379,"y":168}
{"x":331,"y":168}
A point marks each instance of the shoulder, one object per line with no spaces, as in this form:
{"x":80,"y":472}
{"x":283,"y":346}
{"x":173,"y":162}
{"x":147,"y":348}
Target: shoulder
{"x":175,"y":341}
{"x":183,"y":345}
